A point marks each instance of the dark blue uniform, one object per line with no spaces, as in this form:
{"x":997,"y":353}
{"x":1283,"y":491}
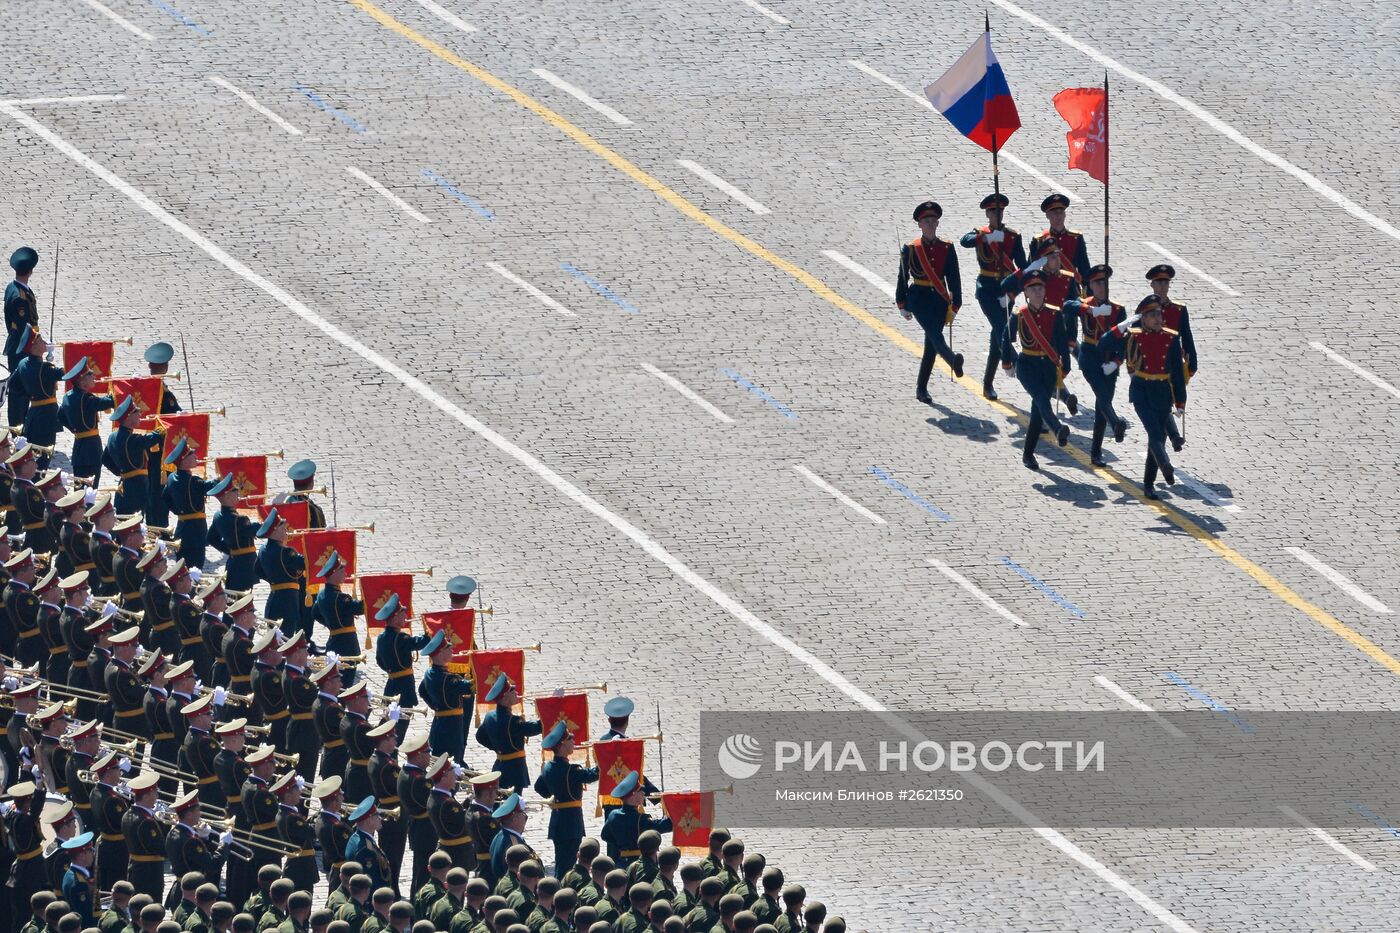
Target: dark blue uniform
{"x":363,"y":849}
{"x":284,"y":570}
{"x":156,"y":511}
{"x":1040,"y":368}
{"x":623,"y":827}
{"x":393,"y":652}
{"x":1074,"y":252}
{"x":337,"y":611}
{"x":1158,"y":370}
{"x":79,"y":412}
{"x":925,"y":294}
{"x":443,"y":693}
{"x":236,"y":535}
{"x":184,"y":495}
{"x":564,"y":781}
{"x":995,"y":261}
{"x":41,"y":423}
{"x":505,"y":838}
{"x":126,"y":454}
{"x":21,"y":308}
{"x":80,"y":890}
{"x":505,"y":734}
{"x":1095,"y":345}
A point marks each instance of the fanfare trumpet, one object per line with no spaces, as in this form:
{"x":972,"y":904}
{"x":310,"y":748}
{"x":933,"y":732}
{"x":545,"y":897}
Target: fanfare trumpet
{"x":319,"y":491}
{"x":369,"y":527}
{"x":390,"y":813}
{"x":258,"y":730}
{"x":172,"y":377}
{"x":126,"y":340}
{"x":290,"y":761}
{"x":133,"y":614}
{"x":655,"y":737}
{"x":158,"y":530}
{"x":600,"y":687}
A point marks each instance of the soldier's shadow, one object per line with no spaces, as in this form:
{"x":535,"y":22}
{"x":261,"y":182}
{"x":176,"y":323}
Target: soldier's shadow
{"x":1079,"y":495}
{"x":955,"y":422}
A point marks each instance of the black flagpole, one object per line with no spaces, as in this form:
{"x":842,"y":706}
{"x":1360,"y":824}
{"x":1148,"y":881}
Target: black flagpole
{"x":1106,"y":174}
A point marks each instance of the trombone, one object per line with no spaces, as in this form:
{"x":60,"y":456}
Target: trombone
{"x":134,"y":615}
{"x":274,"y":844}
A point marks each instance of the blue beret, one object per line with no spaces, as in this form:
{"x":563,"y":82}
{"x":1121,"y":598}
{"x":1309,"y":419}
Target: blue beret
{"x":177,"y":452}
{"x":391,"y":606}
{"x":302,"y":469}
{"x":159,"y":353}
{"x":266,"y":527}
{"x":77,"y":842}
{"x":556,"y":735}
{"x":1053,"y":201}
{"x":329,"y":565}
{"x":498,"y":688}
{"x":363,"y":810}
{"x":76,"y":371}
{"x":618,"y":707}
{"x":627,"y":785}
{"x":25,"y":337}
{"x":24,"y":259}
{"x":221,"y":485}
{"x":461,"y":585}
{"x":508,"y":806}
{"x":437,"y":641}
{"x":120,"y":411}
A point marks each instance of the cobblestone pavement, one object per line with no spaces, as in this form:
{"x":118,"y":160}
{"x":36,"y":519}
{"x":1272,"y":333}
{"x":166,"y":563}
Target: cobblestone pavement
{"x":1288,"y":448}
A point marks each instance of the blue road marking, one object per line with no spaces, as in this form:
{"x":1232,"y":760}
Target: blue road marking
{"x":1045,"y":588}
{"x":477,"y":207}
{"x":885,"y":477}
{"x":1374,"y":818}
{"x":1208,"y":701}
{"x":599,"y":287}
{"x":767,"y":399}
{"x":181,"y":17}
{"x":325,"y":105}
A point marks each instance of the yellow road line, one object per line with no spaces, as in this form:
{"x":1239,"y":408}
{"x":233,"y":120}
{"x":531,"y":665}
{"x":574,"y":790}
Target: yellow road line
{"x":823,"y":291}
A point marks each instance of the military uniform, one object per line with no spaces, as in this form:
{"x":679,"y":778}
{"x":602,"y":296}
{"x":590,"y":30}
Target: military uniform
{"x":187,"y":851}
{"x":21,"y":310}
{"x":50,"y":619}
{"x":303,"y":736}
{"x":1040,"y":369}
{"x":450,"y":822}
{"x":293,"y":828}
{"x":185,"y":494}
{"x":22,"y":610}
{"x":40,"y":380}
{"x":197,"y":757}
{"x":482,"y":826}
{"x":393,"y":652}
{"x":73,"y":623}
{"x":337,"y":610}
{"x":146,"y":843}
{"x":126,"y":454}
{"x":128,"y":577}
{"x":359,"y":746}
{"x":127,"y":697}
{"x":232,"y":771}
{"x":270,"y":697}
{"x":363,"y":849}
{"x":165,"y":748}
{"x":1095,"y":323}
{"x":393,"y":834}
{"x":75,"y":550}
{"x":103,"y":578}
{"x":930,"y":288}
{"x":505,"y":838}
{"x":997,"y":257}
{"x":109,"y":810}
{"x":79,"y":790}
{"x":159,"y":619}
{"x":1158,"y":371}
{"x":333,"y":833}
{"x":285,"y":572}
{"x":26,"y":842}
{"x":212,"y":629}
{"x":33,"y":513}
{"x":325,"y":713}
{"x":234,"y":534}
{"x":80,"y":891}
{"x":414,"y":791}
{"x":238,"y":658}
{"x":505,"y":733}
{"x":80,"y":413}
{"x":564,"y":781}
{"x":155,"y":508}
{"x":444,"y":693}
{"x":260,"y":810}
{"x":622,"y":828}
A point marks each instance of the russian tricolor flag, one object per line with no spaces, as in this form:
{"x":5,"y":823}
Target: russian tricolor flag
{"x":975,"y":97}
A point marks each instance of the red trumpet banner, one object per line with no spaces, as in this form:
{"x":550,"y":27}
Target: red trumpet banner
{"x":296,"y":514}
{"x":316,"y":547}
{"x":193,"y":427}
{"x":692,"y":816}
{"x":99,"y":355}
{"x":460,"y":625}
{"x":147,"y":391}
{"x":375,"y":590}
{"x":570,"y":709}
{"x":486,"y":666}
{"x":616,"y":759}
{"x":249,"y":477}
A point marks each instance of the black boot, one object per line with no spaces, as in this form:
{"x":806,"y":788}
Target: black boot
{"x":1029,"y":461}
{"x":987,"y":390}
{"x":1071,"y":402}
{"x":921,"y":393}
{"x":1062,"y":435}
{"x":1149,"y":477}
{"x":1096,"y":450}
{"x":958,"y":365}
{"x":1169,"y":474}
{"x":1119,"y":430}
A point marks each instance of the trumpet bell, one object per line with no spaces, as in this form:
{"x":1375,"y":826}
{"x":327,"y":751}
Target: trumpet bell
{"x":390,"y":813}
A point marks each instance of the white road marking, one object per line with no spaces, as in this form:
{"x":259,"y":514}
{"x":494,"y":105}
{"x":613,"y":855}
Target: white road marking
{"x":1205,"y":492}
{"x":394,"y":199}
{"x":1366,"y":374}
{"x":687,"y":391}
{"x":976,"y":591}
{"x":80,"y":99}
{"x":1327,"y":838}
{"x":1210,"y":120}
{"x":641,"y":539}
{"x":781,"y":20}
{"x":723,"y":185}
{"x":838,"y":495}
{"x":583,"y":96}
{"x":121,"y":21}
{"x":252,"y":102}
{"x":1339,"y":580}
{"x":1137,"y":704}
{"x":841,"y":259}
{"x":927,"y":104}
{"x":1198,"y":273}
{"x":525,"y":286}
{"x":447,"y":16}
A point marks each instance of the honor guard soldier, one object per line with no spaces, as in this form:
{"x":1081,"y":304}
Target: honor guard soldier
{"x":40,"y":380}
{"x":363,"y":849}
{"x":158,"y":356}
{"x":512,"y":817}
{"x":1097,"y":316}
{"x":7,"y":508}
{"x":161,"y":712}
{"x":1074,"y":252}
{"x":270,"y":689}
{"x":445,"y":694}
{"x":354,"y":729}
{"x":336,"y":610}
{"x":300,"y":690}
{"x":124,"y":690}
{"x":999,"y":253}
{"x":325,"y":713}
{"x":126,"y":454}
{"x":284,"y":570}
{"x":1061,"y":286}
{"x":109,"y":808}
{"x":1175,"y":318}
{"x":238,"y":649}
{"x":189,"y":845}
{"x":80,"y":881}
{"x":627,"y":822}
{"x":155,"y":601}
{"x":414,"y":790}
{"x":448,"y":817}
{"x":393,"y":652}
{"x":145,"y":841}
{"x":293,"y":829}
{"x":74,"y":542}
{"x":260,"y":804}
{"x":933,"y":296}
{"x":332,"y":829}
{"x":199,"y":749}
{"x":505,"y":733}
{"x":48,"y":726}
{"x":79,"y":412}
{"x":235,"y":535}
{"x":184,"y":495}
{"x":213,"y":626}
{"x":151,"y":674}
{"x":564,"y":781}
{"x":1040,"y":329}
{"x":459,"y":591}
{"x":619,"y":713}
{"x":1157,"y":367}
{"x":87,"y":744}
{"x":73,"y":622}
{"x":103,"y":546}
{"x":129,"y":533}
{"x":21,"y":311}
{"x":303,"y":477}
{"x":384,"y":784}
{"x":101,"y":630}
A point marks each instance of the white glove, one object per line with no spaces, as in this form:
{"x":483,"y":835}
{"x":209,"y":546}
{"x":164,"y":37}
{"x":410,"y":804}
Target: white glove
{"x":26,"y":754}
{"x":301,"y":782}
{"x":226,"y":837}
{"x":38,"y":773}
{"x":1108,"y":368}
{"x":394,"y":712}
{"x":1180,"y":412}
{"x":90,"y":497}
{"x":1103,"y":310}
{"x":20,"y":443}
{"x":64,"y":479}
{"x":369,"y":693}
{"x":140,"y":652}
{"x":1128,"y":324}
{"x":996,"y":236}
{"x":277,"y":636}
{"x":908,"y":315}
{"x":109,"y":610}
{"x":197,"y":685}
{"x":162,"y":806}
{"x":558,"y":691}
{"x":220,"y":696}
{"x":7,"y":807}
{"x":1004,"y":301}
{"x":48,"y":354}
{"x":332,"y":658}
{"x":10,"y":683}
{"x":194,"y":573}
{"x":458,"y":770}
{"x":124,"y":790}
{"x":204,"y":830}
{"x":125,"y":765}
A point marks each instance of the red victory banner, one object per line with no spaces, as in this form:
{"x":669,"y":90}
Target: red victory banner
{"x":375,"y":590}
{"x":249,"y":477}
{"x":296,"y":513}
{"x":147,"y":391}
{"x":570,"y":709}
{"x":316,"y":547}
{"x":1085,"y":109}
{"x":460,"y":625}
{"x":616,"y":759}
{"x":692,"y":816}
{"x":192,"y":427}
{"x":99,"y":355}
{"x":488,"y":665}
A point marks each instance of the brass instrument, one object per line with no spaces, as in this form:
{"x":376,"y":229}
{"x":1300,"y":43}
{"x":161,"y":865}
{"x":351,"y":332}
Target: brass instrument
{"x":171,"y":377}
{"x":229,"y":697}
{"x":600,"y":687}
{"x":369,"y":527}
{"x":318,"y":491}
{"x":390,"y":813}
{"x":289,"y":760}
{"x":258,"y":730}
{"x":423,"y":571}
{"x":655,"y":737}
{"x":133,"y":614}
{"x":128,"y":341}
{"x":267,"y":843}
{"x":234,"y":595}
{"x":213,"y":411}
{"x":47,"y":451}
{"x":317,"y":662}
{"x":158,"y":530}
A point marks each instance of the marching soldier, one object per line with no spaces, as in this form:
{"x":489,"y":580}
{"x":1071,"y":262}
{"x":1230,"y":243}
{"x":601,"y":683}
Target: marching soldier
{"x":185,"y":494}
{"x":564,"y":781}
{"x":238,"y":650}
{"x":1097,"y":316}
{"x":7,"y":509}
{"x":1158,"y":388}
{"x":337,"y":610}
{"x":481,"y":820}
{"x":80,"y":411}
{"x":1174,"y":317}
{"x":363,"y":849}
{"x":26,"y":840}
{"x":213,"y":626}
{"x":619,"y":712}
{"x":384,"y":784}
{"x":126,"y":453}
{"x":100,"y":629}
{"x":48,"y":726}
{"x":22,"y":607}
{"x":935,"y":294}
{"x":103,"y":546}
{"x":626,"y":823}
{"x":303,"y":477}
{"x":332,"y":829}
{"x":505,"y":733}
{"x":235,"y":535}
{"x":269,"y":688}
{"x":459,"y":591}
{"x":109,"y":808}
{"x":124,"y":692}
{"x":40,"y":380}
{"x":414,"y":790}
{"x":79,"y":881}
{"x":1040,"y":330}
{"x":189,"y":847}
{"x":393,"y":652}
{"x":144,"y":838}
{"x":302,"y":732}
{"x":444,"y":693}
{"x":448,"y":818}
{"x":73,"y":622}
{"x":284,"y":570}
{"x":155,"y":601}
{"x":1061,"y":286}
{"x":158,"y":356}
{"x":260,"y":804}
{"x":199,"y":749}
{"x":179,"y":680}
{"x":325,"y":713}
{"x":999,"y":253}
{"x":86,"y":746}
{"x":354,"y":729}
{"x":21,"y":311}
{"x":25,"y":497}
{"x":294,"y":830}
